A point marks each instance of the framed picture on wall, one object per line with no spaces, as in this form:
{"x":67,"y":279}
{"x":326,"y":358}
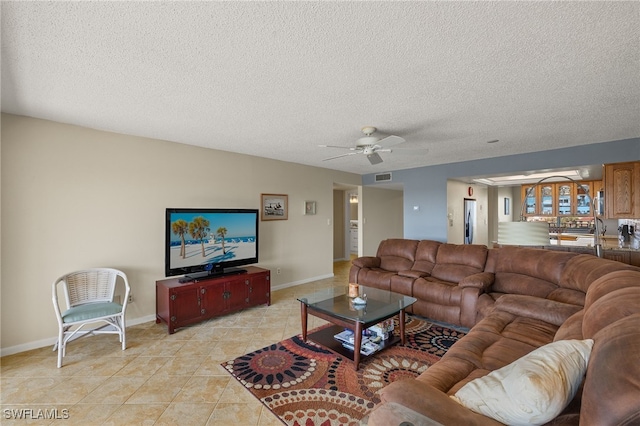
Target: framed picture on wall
{"x":274,"y":207}
{"x":309,"y":207}
{"x":506,"y":206}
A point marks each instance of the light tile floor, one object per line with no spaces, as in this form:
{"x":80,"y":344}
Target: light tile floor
{"x":160,"y":379}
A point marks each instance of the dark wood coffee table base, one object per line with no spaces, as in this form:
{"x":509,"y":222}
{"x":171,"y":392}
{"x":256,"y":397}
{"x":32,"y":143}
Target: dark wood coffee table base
{"x":324,"y":336}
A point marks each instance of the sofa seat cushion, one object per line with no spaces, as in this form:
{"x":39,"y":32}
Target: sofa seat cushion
{"x":532,"y":390}
{"x":437,"y":311}
{"x":494,"y":342}
{"x":545,"y":310}
{"x":502,"y":338}
{"x":433,"y":290}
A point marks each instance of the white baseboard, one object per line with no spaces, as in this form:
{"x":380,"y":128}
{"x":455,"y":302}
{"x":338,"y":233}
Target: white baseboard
{"x":295,"y":283}
{"x":52,"y":340}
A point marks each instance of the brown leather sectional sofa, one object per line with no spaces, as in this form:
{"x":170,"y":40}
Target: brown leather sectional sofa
{"x":514,"y":300}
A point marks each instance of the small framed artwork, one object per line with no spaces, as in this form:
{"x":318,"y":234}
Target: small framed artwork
{"x":309,"y":207}
{"x":274,"y":207}
{"x":506,"y":205}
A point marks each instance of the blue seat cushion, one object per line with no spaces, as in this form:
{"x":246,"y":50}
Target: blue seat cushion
{"x":91,"y":310}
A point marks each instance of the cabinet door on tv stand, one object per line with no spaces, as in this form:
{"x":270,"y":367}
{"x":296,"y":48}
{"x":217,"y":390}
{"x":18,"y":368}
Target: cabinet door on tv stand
{"x":213,"y":299}
{"x":185,"y":306}
{"x":259,"y":290}
{"x":237,"y":293}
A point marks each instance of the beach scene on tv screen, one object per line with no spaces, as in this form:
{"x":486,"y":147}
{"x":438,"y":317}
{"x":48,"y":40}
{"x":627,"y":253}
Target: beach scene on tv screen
{"x":202,"y":238}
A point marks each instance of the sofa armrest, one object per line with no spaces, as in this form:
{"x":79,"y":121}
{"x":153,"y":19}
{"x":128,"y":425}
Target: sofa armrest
{"x":410,"y":273}
{"x":429,"y":402}
{"x":481,"y":280}
{"x":366,"y":262}
{"x":392,"y":414}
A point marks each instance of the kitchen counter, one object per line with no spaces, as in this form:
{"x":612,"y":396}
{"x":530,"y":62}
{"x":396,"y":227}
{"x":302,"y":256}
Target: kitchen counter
{"x":608,"y":242}
{"x":628,"y":254}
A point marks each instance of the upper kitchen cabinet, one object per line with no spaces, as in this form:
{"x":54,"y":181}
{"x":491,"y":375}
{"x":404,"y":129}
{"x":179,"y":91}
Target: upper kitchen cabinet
{"x":539,"y":200}
{"x":560,"y":199}
{"x":530,"y":197}
{"x":565,"y":195}
{"x":622,"y":190}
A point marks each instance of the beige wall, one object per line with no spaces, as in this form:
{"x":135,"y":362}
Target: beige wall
{"x":74,"y":197}
{"x":339,"y":230}
{"x":382,"y":216}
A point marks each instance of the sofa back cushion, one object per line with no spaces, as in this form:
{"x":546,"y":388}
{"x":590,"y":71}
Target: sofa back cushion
{"x":397,"y":254}
{"x":534,"y":272}
{"x":581,"y":271}
{"x":611,"y":298}
{"x":426,"y":254}
{"x":454,"y":262}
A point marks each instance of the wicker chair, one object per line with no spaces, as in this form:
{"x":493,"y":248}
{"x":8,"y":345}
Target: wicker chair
{"x":90,"y":299}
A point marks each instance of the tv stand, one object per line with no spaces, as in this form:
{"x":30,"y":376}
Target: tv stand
{"x":207,"y":275}
{"x":179,"y":304}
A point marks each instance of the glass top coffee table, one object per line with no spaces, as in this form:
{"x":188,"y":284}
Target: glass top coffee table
{"x":334,"y":305}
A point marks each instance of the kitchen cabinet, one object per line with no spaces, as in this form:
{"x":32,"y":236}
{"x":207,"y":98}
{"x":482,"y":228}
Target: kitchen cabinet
{"x":584,"y":194}
{"x":565,"y":193}
{"x":539,"y":200}
{"x":622,"y":190}
{"x":180,"y":304}
{"x":560,"y":198}
{"x":530,"y":197}
{"x":547,"y":199}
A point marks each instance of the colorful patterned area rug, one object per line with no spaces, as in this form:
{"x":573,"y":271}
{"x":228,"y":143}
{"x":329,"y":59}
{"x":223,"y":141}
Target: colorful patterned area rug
{"x":306,"y":385}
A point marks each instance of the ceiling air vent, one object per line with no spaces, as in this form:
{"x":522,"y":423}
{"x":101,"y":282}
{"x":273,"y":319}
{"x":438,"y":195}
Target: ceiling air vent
{"x":383,"y":177}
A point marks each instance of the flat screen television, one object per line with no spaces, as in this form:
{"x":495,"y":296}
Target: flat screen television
{"x":204,"y":242}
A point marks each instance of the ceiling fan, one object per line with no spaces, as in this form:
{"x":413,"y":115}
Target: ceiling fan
{"x":368,"y":145}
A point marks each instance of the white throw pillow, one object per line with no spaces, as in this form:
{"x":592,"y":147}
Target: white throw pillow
{"x":532,"y":390}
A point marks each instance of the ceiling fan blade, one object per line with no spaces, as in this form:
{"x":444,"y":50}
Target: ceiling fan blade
{"x":339,"y":156}
{"x":390,"y":141}
{"x":374,"y":158}
{"x":336,"y":146}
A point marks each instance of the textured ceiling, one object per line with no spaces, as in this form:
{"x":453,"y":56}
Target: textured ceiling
{"x":277,"y":79}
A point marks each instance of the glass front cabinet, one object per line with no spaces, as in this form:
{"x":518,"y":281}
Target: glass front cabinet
{"x":560,"y":199}
{"x":583,"y":199}
{"x":565,"y":198}
{"x":529,"y":194}
{"x":547,"y":199}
